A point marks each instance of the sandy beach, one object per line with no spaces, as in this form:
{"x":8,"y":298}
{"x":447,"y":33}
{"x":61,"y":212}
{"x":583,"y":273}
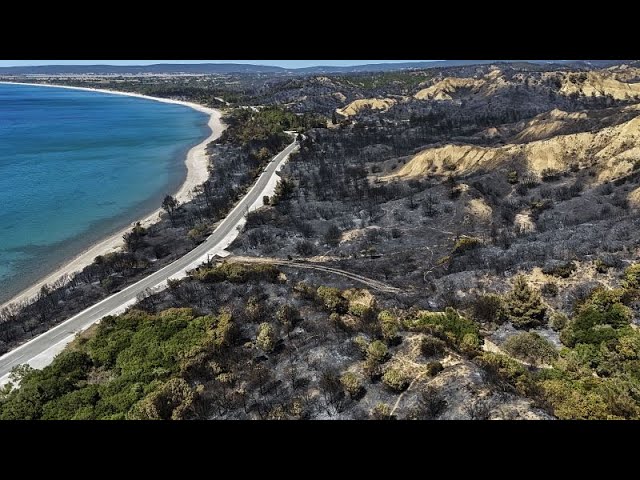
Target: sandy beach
{"x":197,"y":173}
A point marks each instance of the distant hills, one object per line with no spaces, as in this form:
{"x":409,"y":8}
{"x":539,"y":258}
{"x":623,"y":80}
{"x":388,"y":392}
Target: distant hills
{"x":228,"y":68}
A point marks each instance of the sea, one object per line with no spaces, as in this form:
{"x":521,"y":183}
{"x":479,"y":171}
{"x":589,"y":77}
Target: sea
{"x":77,"y":166}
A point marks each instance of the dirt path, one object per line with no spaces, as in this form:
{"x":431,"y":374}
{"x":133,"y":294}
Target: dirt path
{"x":374,"y":284}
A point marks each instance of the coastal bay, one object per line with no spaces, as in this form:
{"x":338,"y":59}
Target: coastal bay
{"x":169,"y":163}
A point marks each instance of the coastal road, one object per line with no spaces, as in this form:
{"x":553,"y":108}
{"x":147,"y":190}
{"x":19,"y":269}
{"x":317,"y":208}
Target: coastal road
{"x":40,"y":351}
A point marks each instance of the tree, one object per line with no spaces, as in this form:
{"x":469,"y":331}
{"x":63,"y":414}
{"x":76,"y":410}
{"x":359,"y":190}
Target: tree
{"x":135,"y":238}
{"x":170,"y":204}
{"x":530,"y":347}
{"x":524,"y":305}
{"x":288,"y":316}
{"x":265,"y":339}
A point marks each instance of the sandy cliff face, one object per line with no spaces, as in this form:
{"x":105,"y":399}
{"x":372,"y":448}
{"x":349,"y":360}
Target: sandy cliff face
{"x":599,"y":83}
{"x":612,"y":150}
{"x":374,"y":103}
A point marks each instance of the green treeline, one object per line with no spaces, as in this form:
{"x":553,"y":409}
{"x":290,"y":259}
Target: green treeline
{"x":136,"y":366}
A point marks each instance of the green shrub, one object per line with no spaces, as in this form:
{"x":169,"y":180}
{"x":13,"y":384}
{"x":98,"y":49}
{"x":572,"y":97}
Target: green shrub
{"x":558,"y":321}
{"x":377,"y":352}
{"x":470,"y":344}
{"x":332,"y":299}
{"x":631,"y":277}
{"x":381,"y":411}
{"x":389,"y":326}
{"x":449,"y":325}
{"x":237,"y":273}
{"x":357,"y":309}
{"x":395,"y":379}
{"x":506,"y":372}
{"x":598,"y":319}
{"x":524,"y":305}
{"x":530,"y":347}
{"x":265,"y":340}
{"x":352,"y":384}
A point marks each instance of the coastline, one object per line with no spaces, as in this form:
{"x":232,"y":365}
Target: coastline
{"x":197,"y":173}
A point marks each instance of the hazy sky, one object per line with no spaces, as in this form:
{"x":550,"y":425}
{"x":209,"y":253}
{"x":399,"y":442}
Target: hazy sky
{"x":281,"y":63}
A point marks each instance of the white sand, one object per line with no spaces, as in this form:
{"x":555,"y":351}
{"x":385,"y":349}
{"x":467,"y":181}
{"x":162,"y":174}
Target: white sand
{"x":197,"y":173}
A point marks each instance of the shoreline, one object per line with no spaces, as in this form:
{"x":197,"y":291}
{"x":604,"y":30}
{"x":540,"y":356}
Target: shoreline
{"x":197,"y":173}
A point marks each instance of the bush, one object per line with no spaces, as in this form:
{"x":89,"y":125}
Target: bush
{"x":381,"y":411}
{"x":598,"y":319}
{"x":489,"y":308}
{"x":558,"y":321}
{"x":431,"y":346}
{"x":524,"y":306}
{"x":530,"y":347}
{"x":332,"y":299}
{"x":631,"y":277}
{"x":506,"y":373}
{"x":352,"y":384}
{"x":434,"y":368}
{"x":377,"y":352}
{"x":448,"y":325}
{"x":395,"y":380}
{"x":265,"y":340}
{"x":389,"y":325}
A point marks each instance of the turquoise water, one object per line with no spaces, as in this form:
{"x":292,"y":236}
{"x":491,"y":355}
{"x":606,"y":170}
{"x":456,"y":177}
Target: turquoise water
{"x":76,"y":166}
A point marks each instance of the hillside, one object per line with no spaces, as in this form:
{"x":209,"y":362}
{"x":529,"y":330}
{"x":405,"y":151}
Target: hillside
{"x":449,"y":243}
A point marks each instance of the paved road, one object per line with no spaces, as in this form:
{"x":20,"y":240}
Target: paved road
{"x":40,"y":351}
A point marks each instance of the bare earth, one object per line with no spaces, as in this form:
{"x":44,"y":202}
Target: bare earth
{"x":197,"y":173}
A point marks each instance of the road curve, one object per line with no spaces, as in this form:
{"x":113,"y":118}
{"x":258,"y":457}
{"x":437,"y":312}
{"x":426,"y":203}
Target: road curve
{"x":41,"y":350}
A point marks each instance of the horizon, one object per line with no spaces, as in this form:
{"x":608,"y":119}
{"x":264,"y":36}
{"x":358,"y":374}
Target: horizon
{"x":269,"y":63}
